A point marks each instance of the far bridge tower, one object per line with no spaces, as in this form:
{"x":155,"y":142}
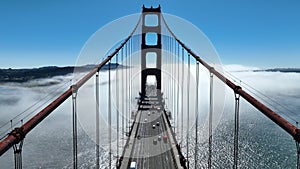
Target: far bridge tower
{"x":153,"y":50}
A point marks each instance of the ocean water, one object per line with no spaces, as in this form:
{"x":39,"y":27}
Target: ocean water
{"x":262,"y":144}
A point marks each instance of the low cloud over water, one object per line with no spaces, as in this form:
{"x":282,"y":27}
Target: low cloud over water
{"x":262,"y":143}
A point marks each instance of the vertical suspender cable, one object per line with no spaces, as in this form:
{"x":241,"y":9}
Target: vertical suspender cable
{"x":168,"y":69}
{"x":182,"y":83}
{"x":165,"y":69}
{"x":236,"y":130}
{"x":177,"y":123}
{"x":109,"y":113}
{"x":97,"y":122}
{"x":210,"y":121}
{"x":162,"y":68}
{"x":117,"y":99}
{"x":197,"y":114}
{"x":173,"y":77}
{"x":122,"y":100}
{"x":126,"y":89}
{"x":18,"y":154}
{"x":130,"y":77}
{"x":11,"y":124}
{"x":172,"y":73}
{"x":174,"y":81}
{"x":188,"y":111}
{"x":163,"y":63}
{"x":74,"y":105}
{"x":298,"y":153}
{"x":128,"y":86}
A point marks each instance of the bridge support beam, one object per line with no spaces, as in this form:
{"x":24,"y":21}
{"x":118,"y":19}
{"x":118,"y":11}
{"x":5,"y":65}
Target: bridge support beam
{"x":188,"y":114}
{"x":123,"y":97}
{"x":117,"y":97}
{"x":74,"y":108}
{"x":196,"y":113}
{"x":182,"y":84}
{"x":109,"y":114}
{"x":210,"y":120}
{"x":178,"y":89}
{"x":126,"y":90}
{"x":19,"y":134}
{"x":18,"y":155}
{"x":97,"y":122}
{"x":236,"y":128}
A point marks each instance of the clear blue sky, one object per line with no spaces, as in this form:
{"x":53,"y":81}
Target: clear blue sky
{"x":262,"y":33}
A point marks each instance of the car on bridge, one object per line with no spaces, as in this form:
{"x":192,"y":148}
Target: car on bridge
{"x":165,"y":138}
{"x":154,"y":141}
{"x":159,"y":138}
{"x":133,"y":165}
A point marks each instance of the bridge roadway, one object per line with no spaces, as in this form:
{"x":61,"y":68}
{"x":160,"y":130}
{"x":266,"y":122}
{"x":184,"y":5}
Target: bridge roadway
{"x":151,"y":145}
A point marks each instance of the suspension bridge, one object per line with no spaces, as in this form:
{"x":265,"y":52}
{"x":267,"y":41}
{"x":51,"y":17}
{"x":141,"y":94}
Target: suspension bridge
{"x":154,"y":132}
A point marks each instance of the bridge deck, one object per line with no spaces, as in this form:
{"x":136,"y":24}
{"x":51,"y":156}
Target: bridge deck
{"x":151,"y":144}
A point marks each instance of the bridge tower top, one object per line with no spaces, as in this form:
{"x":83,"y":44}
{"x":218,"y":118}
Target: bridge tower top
{"x":151,"y":9}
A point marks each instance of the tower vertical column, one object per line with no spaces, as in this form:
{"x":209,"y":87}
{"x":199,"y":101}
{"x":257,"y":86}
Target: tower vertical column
{"x":147,"y":48}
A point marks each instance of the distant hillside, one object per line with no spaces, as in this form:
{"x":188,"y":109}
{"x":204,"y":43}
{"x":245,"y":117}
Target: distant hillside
{"x":283,"y":70}
{"x":24,"y":75}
